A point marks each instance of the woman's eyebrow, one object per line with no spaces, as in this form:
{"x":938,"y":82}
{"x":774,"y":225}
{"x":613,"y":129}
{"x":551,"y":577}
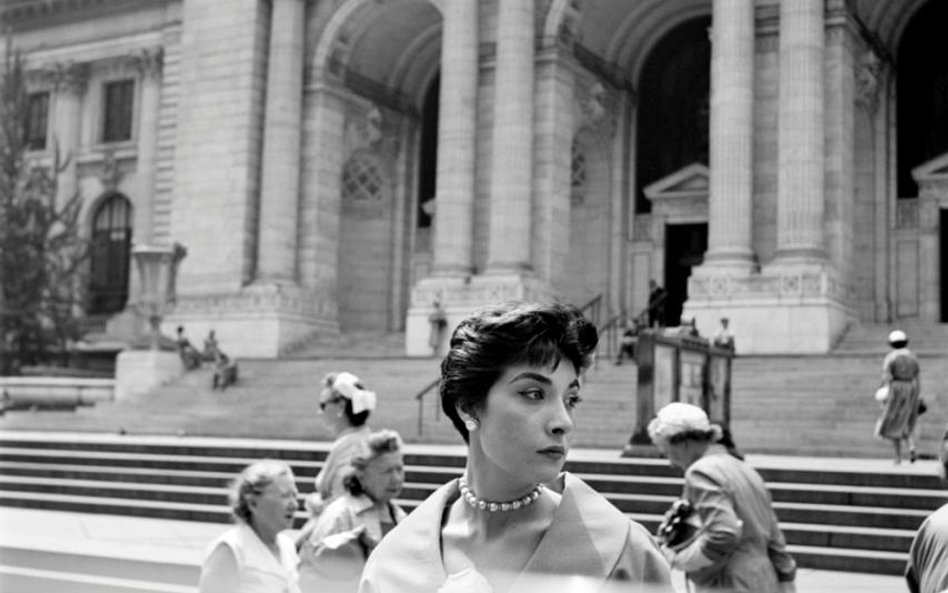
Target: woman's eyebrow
{"x":531,"y":375}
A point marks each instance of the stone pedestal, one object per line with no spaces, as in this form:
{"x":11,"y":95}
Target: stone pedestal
{"x":780,"y":311}
{"x":460,"y":297}
{"x":261,"y":321}
{"x":138,"y":372}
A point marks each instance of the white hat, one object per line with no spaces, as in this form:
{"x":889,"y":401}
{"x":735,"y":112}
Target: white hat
{"x":678,"y":417}
{"x":897,"y":336}
{"x":345,"y":385}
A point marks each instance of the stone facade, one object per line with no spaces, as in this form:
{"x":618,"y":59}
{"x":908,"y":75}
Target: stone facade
{"x":286,"y":144}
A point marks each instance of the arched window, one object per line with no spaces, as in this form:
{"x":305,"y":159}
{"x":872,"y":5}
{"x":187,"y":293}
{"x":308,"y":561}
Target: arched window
{"x":111,"y":247}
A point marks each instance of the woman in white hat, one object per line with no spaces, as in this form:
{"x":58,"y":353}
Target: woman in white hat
{"x":739,"y":547}
{"x":900,"y":373}
{"x":344,"y":406}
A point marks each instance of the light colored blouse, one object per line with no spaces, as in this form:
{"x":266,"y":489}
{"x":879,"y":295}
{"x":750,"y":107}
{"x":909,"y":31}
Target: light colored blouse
{"x":588,"y":540}
{"x":239,"y":562}
{"x":344,"y":448}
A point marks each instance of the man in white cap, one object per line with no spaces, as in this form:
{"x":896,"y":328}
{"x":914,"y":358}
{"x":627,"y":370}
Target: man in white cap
{"x":900,"y":406}
{"x":739,"y":547}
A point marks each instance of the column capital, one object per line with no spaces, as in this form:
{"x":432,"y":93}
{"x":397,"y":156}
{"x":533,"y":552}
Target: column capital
{"x":149,"y":62}
{"x":68,"y":77}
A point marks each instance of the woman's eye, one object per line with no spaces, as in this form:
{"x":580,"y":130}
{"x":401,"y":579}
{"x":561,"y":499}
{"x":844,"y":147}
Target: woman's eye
{"x":532,"y":394}
{"x":572,"y":401}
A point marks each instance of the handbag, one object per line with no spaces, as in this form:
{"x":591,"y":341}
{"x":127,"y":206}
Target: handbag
{"x":679,"y":525}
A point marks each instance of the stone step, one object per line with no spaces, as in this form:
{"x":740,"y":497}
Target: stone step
{"x":875,"y":511}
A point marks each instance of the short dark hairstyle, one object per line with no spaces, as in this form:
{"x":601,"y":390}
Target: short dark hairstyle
{"x":496,"y":337}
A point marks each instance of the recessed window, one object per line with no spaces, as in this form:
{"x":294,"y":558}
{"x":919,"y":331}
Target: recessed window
{"x":118,"y":97}
{"x":37,"y":120}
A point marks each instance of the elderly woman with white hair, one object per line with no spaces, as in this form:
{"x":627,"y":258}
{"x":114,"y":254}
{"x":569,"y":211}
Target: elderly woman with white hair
{"x":256,"y":556}
{"x":738,"y":546}
{"x":900,"y":383}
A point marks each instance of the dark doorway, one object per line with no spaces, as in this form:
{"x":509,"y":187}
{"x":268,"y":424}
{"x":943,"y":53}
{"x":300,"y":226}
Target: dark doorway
{"x":673,"y":109}
{"x":111,"y":246}
{"x":685,"y":245}
{"x":922,"y":87}
{"x":943,"y":259}
{"x":428,"y":158}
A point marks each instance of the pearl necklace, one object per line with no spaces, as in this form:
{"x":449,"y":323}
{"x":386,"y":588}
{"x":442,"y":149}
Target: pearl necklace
{"x":493,"y":507}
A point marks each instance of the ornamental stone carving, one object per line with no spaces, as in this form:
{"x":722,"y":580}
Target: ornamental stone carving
{"x":68,"y":77}
{"x":597,"y":107}
{"x":149,"y":62}
{"x":868,"y":77}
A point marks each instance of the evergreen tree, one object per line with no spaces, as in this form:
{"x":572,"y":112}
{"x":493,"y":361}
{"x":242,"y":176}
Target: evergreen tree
{"x":42,"y":255}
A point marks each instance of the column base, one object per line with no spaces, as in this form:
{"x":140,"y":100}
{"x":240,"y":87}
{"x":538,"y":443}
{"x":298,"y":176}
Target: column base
{"x":461,"y":296}
{"x":798,"y":310}
{"x":259,"y":321}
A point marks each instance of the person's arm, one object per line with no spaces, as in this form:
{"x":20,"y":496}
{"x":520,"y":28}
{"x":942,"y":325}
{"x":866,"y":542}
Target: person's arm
{"x":783,"y":562}
{"x":220,"y":573}
{"x":336,"y":549}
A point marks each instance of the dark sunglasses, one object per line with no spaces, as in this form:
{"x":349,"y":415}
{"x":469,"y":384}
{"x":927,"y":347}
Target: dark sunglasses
{"x":335,"y":400}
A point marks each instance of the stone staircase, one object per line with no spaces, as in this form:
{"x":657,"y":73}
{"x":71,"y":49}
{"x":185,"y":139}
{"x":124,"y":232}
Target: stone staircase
{"x":839,"y":516}
{"x":872,"y":338}
{"x":811,"y":405}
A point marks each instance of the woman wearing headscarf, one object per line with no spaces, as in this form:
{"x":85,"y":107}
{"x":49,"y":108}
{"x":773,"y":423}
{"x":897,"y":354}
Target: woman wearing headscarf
{"x":900,"y":374}
{"x":334,"y":554}
{"x":256,"y":556}
{"x":513,"y":521}
{"x":344,"y":407}
{"x":738,"y":547}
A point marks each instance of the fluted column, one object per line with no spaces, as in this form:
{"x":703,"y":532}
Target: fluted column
{"x":150,"y":67}
{"x":280,"y":183}
{"x":70,"y":83}
{"x":800,"y":193}
{"x":457,"y":131}
{"x":512,"y":155}
{"x":732,"y":93}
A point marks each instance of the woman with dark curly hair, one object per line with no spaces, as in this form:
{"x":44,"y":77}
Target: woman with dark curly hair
{"x":514,"y":521}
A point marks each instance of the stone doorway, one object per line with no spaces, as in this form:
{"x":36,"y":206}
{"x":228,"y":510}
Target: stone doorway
{"x":685,"y":245}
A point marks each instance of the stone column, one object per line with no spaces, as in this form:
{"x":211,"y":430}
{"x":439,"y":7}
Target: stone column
{"x":800,"y":193}
{"x":279,"y":191}
{"x":70,"y":83}
{"x":732,"y":92}
{"x":150,"y":67}
{"x":512,"y":155}
{"x":457,"y":130}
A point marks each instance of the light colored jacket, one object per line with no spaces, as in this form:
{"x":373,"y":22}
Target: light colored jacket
{"x":239,"y":562}
{"x":588,"y":537}
{"x":329,"y":479}
{"x":739,"y":529}
{"x":333,"y":556}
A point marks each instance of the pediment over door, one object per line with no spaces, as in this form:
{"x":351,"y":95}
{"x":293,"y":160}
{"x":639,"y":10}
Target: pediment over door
{"x":934,"y":170}
{"x":683,"y":195}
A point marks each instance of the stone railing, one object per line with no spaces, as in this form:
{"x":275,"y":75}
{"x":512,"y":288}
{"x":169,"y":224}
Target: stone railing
{"x":54,"y":392}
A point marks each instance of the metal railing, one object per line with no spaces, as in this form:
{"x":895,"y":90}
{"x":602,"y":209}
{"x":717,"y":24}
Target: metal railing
{"x":420,"y":398}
